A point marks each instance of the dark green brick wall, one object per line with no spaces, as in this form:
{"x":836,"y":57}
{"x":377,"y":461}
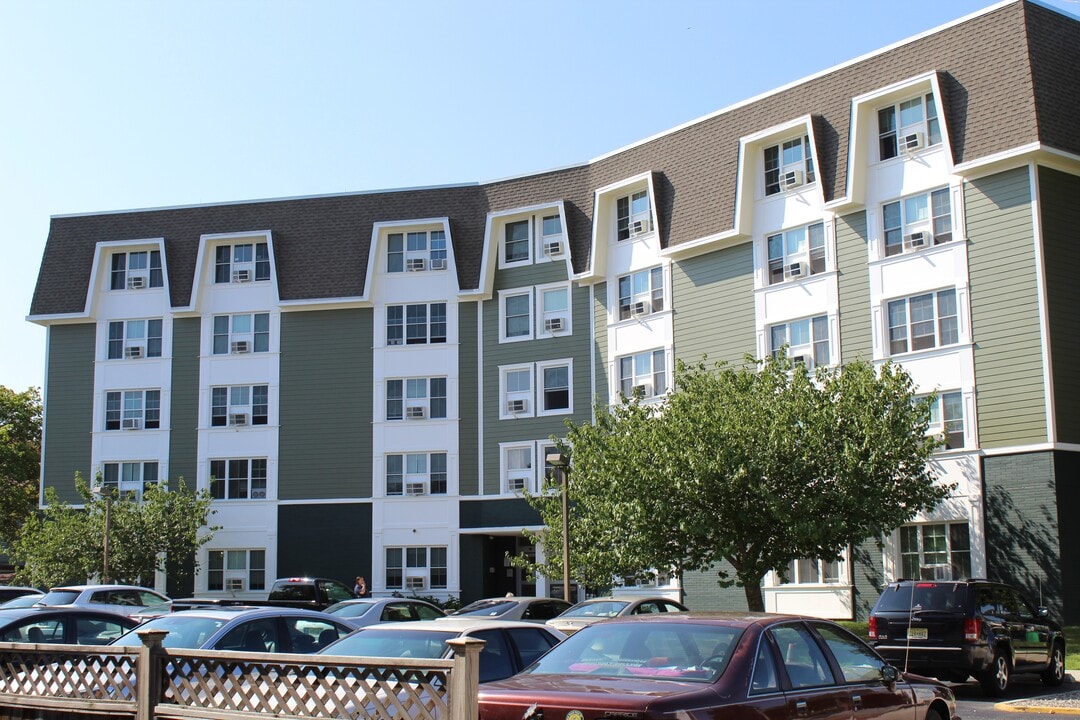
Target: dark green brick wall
{"x":331,"y":541}
{"x":184,"y":401}
{"x":69,"y":408}
{"x":326,"y":401}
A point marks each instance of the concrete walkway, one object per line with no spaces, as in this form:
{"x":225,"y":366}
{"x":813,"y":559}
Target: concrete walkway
{"x":1066,"y":702}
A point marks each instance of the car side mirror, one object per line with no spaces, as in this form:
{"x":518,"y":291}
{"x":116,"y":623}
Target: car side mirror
{"x":1043,"y":612}
{"x":889,"y":674}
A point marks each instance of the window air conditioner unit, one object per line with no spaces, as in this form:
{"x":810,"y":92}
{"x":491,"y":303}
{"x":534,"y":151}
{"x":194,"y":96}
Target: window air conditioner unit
{"x":637,"y":227}
{"x":415,"y":412}
{"x":645,"y":389}
{"x":415,"y":583}
{"x":136,"y":282}
{"x":238,"y":419}
{"x":791,"y":179}
{"x":234,"y":583}
{"x":641,"y":307}
{"x":258,"y":494}
{"x":517,"y":484}
{"x":911,"y":142}
{"x":795,"y":270}
{"x":415,"y":488}
{"x":133,"y":351}
{"x":553,"y":325}
{"x":939,"y":437}
{"x":516,"y":406}
{"x":553,"y":248}
{"x":438,"y":264}
{"x":414,"y":264}
{"x":239,"y":347}
{"x":131,"y":423}
{"x":804,"y":360}
{"x":241,"y":276}
{"x":917,"y":240}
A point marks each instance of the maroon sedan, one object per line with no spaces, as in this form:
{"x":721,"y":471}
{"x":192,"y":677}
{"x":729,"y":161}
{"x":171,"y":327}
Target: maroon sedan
{"x":708,"y":665}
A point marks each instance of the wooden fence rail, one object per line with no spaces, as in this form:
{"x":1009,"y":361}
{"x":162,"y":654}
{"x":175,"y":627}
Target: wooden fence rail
{"x":156,"y":683}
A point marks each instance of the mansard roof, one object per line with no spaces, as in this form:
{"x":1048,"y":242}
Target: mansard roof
{"x":1008,"y":77}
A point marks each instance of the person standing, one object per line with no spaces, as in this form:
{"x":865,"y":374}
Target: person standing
{"x":361,"y":586}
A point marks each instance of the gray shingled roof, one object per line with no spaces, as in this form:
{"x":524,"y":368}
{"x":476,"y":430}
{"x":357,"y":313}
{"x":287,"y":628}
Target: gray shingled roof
{"x":995,"y":69}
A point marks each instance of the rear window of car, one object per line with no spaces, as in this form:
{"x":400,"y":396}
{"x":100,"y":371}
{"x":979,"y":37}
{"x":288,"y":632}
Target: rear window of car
{"x":298,"y":591}
{"x":59,"y":597}
{"x":492,"y":608}
{"x":391,"y":643}
{"x":942,"y":597}
{"x":184,"y":631}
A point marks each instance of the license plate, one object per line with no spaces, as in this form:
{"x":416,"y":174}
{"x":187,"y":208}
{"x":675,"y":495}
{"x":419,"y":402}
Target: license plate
{"x":914,"y":633}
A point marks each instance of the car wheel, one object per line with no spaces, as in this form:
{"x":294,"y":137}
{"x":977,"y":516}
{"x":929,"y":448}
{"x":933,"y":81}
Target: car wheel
{"x":1054,"y":674}
{"x":934,"y":714}
{"x":995,"y":679}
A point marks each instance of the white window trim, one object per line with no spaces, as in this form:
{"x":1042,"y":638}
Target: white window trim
{"x":616,"y":378}
{"x":665,"y":273}
{"x":606,"y":207}
{"x":516,"y":292}
{"x":843,"y":577}
{"x":531,"y":240}
{"x":244,"y":573}
{"x":884,"y":352}
{"x":541,"y":240}
{"x":567,"y":315}
{"x":504,"y":468}
{"x":804,"y":137}
{"x":828,"y":233}
{"x":568,"y":363}
{"x":833,"y":325}
{"x":530,"y":410}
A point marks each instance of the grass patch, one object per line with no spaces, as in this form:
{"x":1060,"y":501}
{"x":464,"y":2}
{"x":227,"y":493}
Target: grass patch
{"x":1072,"y":641}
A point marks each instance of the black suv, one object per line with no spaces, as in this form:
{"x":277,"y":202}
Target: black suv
{"x":953,"y":629}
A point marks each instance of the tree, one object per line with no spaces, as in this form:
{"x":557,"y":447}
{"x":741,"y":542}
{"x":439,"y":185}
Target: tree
{"x":157,"y":533}
{"x":756,"y":466}
{"x":20,"y":459}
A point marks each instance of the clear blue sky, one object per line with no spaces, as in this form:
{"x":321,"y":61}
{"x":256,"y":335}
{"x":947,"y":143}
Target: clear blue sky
{"x":119,"y":105}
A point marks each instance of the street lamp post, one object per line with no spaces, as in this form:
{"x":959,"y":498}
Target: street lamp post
{"x":559,"y":462}
{"x":106,"y":493}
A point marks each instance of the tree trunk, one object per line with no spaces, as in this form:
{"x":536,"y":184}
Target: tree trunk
{"x":755,"y":601}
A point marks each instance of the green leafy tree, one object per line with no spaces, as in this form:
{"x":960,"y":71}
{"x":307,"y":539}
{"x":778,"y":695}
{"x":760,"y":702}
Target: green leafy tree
{"x":756,"y":466}
{"x":20,"y":457}
{"x":159,"y":532}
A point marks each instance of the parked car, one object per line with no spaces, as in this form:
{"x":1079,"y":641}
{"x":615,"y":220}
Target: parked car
{"x":510,"y":645}
{"x":669,"y":665}
{"x":246,"y":629}
{"x":10,"y":592}
{"x":22,"y":601}
{"x":953,"y":629}
{"x":124,"y":599}
{"x":67,"y":625}
{"x":306,"y":592}
{"x":370,"y":611}
{"x":594,"y":610}
{"x":512,"y":607}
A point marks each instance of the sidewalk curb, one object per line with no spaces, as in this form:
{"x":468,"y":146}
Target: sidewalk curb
{"x":1047,"y":703}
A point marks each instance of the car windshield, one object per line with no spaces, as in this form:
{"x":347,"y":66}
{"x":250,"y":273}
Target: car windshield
{"x":923,"y":596}
{"x":600,"y":609}
{"x":21,"y":602}
{"x":185,"y":631}
{"x":350,"y":609}
{"x":58,"y":597}
{"x":487,"y":608}
{"x":392,"y":643}
{"x":664,"y":651}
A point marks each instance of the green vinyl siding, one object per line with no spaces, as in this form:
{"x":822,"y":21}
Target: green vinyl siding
{"x":713,"y":301}
{"x":69,"y":408}
{"x":853,"y":287}
{"x":325,"y":405}
{"x":601,"y":313}
{"x":468,"y":390}
{"x":1059,"y":218}
{"x":1005,"y":325}
{"x":184,"y":401}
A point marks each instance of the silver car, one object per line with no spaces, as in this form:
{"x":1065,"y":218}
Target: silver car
{"x":362,"y":612}
{"x":122,"y":599}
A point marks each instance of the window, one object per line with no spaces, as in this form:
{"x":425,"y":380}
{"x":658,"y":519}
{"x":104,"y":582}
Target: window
{"x":517,"y":314}
{"x":917,"y":222}
{"x":241,"y":263}
{"x":633,"y":215}
{"x":788,"y":165}
{"x":239,"y":405}
{"x":136,"y":270}
{"x":555,"y":395}
{"x":517,"y":391}
{"x":238,"y":334}
{"x":947,"y":418}
{"x":802,"y":657}
{"x":415,"y":398}
{"x":238,"y":479}
{"x":129,"y":478}
{"x":796,"y":253}
{"x":516,"y":242}
{"x":923,"y":322}
{"x":554,"y":311}
{"x":134,"y":339}
{"x":938,"y":551}
{"x":132,"y":409}
{"x":518,"y":472}
{"x":416,"y":568}
{"x":645,"y":372}
{"x":416,"y":474}
{"x":807,"y":341}
{"x":415,"y":251}
{"x":908,"y":126}
{"x":236,"y":570}
{"x":416,"y":324}
{"x":551,"y":236}
{"x":641,"y":293}
{"x":858,"y":663}
{"x":812,"y":571}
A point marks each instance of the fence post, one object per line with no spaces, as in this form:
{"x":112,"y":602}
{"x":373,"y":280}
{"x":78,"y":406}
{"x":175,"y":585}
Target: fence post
{"x":148,"y":673}
{"x":464,"y":678}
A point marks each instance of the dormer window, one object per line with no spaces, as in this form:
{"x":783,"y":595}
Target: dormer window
{"x":136,"y":270}
{"x":788,"y":165}
{"x":516,"y":245}
{"x":633,"y":215}
{"x":416,"y":251}
{"x":908,"y":126}
{"x":242,"y":263}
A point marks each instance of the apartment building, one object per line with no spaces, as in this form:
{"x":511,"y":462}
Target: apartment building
{"x":367,"y":382}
